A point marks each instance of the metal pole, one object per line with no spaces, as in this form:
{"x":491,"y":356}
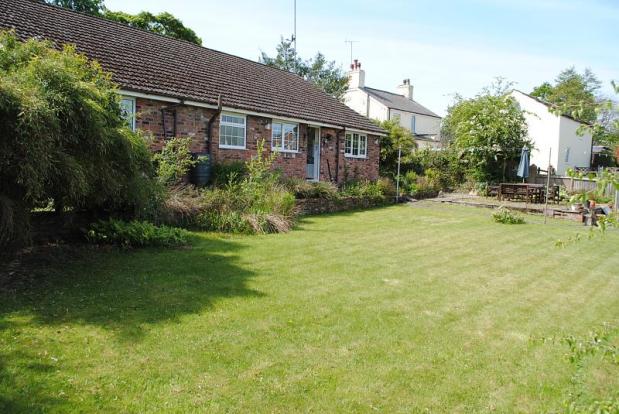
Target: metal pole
{"x":547,"y":185}
{"x":397,"y":185}
{"x":295,"y":26}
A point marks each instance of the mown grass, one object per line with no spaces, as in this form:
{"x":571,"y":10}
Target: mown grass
{"x":401,"y":309}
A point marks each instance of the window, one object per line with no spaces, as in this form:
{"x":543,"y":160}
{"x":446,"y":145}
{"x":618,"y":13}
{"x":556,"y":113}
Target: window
{"x":413,"y":124}
{"x":127,"y":109}
{"x":232,"y":131}
{"x":285,"y":137}
{"x":567,"y":154}
{"x":395,"y":117}
{"x":356,"y":145}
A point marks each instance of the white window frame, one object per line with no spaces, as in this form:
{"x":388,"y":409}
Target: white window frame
{"x":222,"y":123}
{"x":133,"y":109}
{"x":352,"y":137}
{"x":282,"y":123}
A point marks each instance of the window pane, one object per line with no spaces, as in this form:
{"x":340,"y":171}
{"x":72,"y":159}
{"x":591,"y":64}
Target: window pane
{"x":355,"y":144}
{"x":127,"y":110}
{"x":348,"y":144}
{"x":232,"y":130}
{"x":290,"y":137}
{"x":276,"y":136}
{"x":363,"y":145}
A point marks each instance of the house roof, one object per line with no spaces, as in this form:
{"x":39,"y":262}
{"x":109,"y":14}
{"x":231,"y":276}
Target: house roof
{"x":146,"y":62}
{"x":549,"y":106}
{"x":399,"y":102}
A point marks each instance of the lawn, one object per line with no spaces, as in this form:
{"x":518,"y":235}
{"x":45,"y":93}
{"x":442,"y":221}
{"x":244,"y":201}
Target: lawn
{"x":422,"y":308}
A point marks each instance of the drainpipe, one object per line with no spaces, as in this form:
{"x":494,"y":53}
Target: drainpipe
{"x":209,"y":127}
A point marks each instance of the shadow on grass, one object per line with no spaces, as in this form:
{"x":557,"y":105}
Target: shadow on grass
{"x":124,"y":292}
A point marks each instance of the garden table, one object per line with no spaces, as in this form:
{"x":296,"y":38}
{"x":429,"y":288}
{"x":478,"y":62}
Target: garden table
{"x":533,"y":193}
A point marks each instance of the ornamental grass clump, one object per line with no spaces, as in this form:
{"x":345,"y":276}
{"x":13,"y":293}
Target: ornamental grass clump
{"x":506,"y":216}
{"x":258,"y":203}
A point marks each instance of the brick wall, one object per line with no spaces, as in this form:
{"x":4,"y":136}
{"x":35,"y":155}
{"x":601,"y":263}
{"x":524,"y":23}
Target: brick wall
{"x":191,"y":122}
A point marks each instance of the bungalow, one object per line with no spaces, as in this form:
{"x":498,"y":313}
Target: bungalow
{"x":424,"y":124}
{"x":554,"y":136}
{"x":226,"y":104}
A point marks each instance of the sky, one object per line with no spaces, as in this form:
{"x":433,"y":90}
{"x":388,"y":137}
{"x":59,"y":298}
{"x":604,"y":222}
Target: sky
{"x":444,"y":47}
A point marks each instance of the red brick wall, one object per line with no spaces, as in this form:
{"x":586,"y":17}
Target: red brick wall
{"x":191,"y":122}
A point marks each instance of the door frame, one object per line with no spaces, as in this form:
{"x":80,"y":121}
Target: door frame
{"x":316,"y":151}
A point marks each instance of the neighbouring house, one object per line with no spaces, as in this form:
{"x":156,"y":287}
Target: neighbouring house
{"x":382,"y":105}
{"x":554,"y":136}
{"x":225,"y":103}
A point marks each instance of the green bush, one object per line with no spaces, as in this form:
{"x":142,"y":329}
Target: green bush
{"x":505,"y":216}
{"x":369,"y":189}
{"x":425,"y":188}
{"x":64,"y":138}
{"x":174,"y":161}
{"x":446,"y":169}
{"x":136,"y":234}
{"x":225,"y":172}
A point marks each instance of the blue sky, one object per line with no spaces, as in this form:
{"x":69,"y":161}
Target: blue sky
{"x":444,"y":47}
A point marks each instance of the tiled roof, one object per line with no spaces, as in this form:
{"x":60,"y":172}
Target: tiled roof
{"x":399,"y":102}
{"x":150,"y":63}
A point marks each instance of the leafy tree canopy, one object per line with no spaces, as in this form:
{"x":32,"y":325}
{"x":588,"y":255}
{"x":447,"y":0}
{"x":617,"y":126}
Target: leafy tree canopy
{"x":398,"y":138}
{"x":318,"y":70}
{"x":163,"y":23}
{"x":489,"y":132}
{"x":573,"y":94}
{"x":94,"y":7}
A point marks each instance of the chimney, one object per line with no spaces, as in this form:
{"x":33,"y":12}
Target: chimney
{"x":356,"y":76}
{"x":406,"y":89}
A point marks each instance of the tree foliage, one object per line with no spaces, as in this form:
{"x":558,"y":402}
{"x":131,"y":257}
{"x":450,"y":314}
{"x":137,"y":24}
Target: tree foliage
{"x":163,"y":23}
{"x":398,"y":138}
{"x":323,"y":73}
{"x":94,"y":7}
{"x":573,"y":93}
{"x":64,"y":139}
{"x":489,"y":132}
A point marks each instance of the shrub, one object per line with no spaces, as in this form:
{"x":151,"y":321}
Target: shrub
{"x":368,"y":189}
{"x":447,"y":169}
{"x":136,"y":234}
{"x":425,"y":188}
{"x":174,"y":161}
{"x":64,"y":138}
{"x":223,"y":173}
{"x":505,"y":216}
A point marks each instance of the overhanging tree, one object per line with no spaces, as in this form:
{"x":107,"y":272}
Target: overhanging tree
{"x":163,"y":23}
{"x":64,"y":140}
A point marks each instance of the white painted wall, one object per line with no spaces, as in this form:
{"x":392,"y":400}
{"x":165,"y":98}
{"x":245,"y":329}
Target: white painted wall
{"x":357,"y":100}
{"x":547,"y":131}
{"x":574,"y":149}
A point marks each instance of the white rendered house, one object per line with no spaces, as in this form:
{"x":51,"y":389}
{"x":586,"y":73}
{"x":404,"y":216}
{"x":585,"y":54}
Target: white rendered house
{"x":550,"y":131}
{"x":382,"y":105}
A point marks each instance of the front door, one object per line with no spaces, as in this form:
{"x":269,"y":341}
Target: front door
{"x":313,"y":154}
